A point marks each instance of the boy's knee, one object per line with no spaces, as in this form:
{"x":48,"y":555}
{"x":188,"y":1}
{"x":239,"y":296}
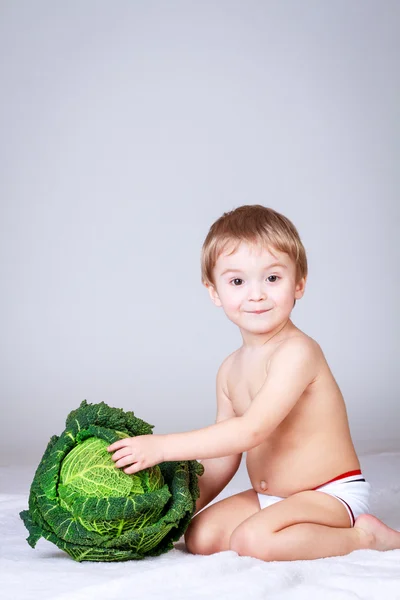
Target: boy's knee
{"x":200,"y":540}
{"x":241,"y":542}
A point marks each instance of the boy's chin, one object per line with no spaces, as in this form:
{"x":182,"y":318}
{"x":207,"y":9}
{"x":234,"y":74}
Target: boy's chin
{"x":257,"y":323}
{"x":257,"y":328}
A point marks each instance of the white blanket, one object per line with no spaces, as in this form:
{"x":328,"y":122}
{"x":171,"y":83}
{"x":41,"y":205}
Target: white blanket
{"x":48,"y":573}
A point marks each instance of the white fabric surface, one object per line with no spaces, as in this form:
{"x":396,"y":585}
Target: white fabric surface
{"x":47,"y":573}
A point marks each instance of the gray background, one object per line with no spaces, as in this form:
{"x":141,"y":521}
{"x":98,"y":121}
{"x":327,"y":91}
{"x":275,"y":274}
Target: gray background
{"x":127,"y":128}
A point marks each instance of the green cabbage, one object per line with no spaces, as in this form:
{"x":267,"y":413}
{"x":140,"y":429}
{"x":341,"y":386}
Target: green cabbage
{"x":94,"y":511}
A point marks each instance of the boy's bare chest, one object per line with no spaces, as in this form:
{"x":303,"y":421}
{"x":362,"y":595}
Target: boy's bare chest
{"x":245,"y":380}
{"x":246,"y":376}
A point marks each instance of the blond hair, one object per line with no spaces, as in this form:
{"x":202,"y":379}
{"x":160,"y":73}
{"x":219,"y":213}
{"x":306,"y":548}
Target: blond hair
{"x":254,"y":224}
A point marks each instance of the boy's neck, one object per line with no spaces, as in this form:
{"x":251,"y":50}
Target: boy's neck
{"x":257,"y":341}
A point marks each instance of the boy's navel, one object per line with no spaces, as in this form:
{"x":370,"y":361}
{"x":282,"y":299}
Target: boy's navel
{"x":263,"y":485}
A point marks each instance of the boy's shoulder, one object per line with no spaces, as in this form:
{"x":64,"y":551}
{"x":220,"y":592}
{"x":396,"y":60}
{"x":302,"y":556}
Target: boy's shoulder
{"x":300,"y":339}
{"x":297,"y":354}
{"x":296,"y":342}
{"x":300,"y":342}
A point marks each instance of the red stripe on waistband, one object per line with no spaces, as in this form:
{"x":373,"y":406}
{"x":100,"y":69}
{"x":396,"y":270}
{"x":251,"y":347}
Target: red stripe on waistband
{"x":343,"y":476}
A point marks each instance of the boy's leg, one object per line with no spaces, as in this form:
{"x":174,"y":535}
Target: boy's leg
{"x":309,"y":525}
{"x":211,"y":529}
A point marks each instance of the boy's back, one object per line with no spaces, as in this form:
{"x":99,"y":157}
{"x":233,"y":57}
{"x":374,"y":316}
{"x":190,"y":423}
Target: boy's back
{"x":312,"y":444}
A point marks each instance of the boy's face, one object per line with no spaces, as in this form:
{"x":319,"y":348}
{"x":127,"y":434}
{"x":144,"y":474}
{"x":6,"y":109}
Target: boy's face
{"x":254,"y":294}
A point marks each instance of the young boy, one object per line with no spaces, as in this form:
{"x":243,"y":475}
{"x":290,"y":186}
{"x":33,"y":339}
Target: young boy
{"x":278,"y":401}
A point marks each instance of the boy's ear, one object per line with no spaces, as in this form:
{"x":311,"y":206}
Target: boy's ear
{"x":213,"y":294}
{"x":300,"y":288}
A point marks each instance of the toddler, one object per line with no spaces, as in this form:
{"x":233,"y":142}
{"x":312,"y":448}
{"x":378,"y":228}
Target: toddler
{"x":277,"y":400}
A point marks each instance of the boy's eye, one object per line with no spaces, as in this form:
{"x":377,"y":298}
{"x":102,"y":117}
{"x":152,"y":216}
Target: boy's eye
{"x":237,"y":281}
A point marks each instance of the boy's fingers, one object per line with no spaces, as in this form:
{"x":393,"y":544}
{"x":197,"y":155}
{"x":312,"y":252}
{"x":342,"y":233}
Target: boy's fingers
{"x":116,"y":445}
{"x":121,"y":453}
{"x":128,"y":470}
{"x":132,"y":469}
{"x":125,"y":461}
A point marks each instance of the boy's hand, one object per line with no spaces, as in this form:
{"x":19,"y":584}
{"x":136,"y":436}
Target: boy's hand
{"x":140,"y":452}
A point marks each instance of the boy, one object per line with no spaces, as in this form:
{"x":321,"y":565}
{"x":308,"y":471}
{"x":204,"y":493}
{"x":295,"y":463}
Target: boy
{"x":278,"y":401}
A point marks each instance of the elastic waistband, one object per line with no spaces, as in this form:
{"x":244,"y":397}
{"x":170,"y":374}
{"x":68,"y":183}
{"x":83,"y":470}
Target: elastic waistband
{"x":345,"y":477}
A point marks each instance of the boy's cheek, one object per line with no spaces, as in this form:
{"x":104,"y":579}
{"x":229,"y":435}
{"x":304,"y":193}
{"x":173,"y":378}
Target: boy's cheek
{"x":232,"y":310}
{"x":234,"y":304}
{"x":229,"y":300}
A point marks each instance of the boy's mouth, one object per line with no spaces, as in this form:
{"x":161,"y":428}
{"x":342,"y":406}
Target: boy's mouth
{"x":258,"y":312}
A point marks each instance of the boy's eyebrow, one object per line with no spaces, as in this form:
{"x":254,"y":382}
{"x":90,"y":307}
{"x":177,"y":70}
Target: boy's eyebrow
{"x":276,"y":264}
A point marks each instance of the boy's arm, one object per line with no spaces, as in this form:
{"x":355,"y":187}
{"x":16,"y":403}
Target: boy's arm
{"x":292,"y":367}
{"x":218,"y":471}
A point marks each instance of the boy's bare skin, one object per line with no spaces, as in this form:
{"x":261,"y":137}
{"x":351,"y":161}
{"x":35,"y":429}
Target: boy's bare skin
{"x":313,"y":443}
{"x":278,"y":400}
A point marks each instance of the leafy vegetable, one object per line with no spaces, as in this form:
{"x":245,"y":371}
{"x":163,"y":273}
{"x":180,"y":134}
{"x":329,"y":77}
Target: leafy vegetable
{"x":94,"y":511}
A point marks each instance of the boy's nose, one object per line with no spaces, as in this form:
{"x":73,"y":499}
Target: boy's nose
{"x":257,"y":294}
{"x":258,"y":298}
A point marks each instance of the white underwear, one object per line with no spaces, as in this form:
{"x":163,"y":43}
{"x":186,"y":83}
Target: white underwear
{"x":351,"y":489}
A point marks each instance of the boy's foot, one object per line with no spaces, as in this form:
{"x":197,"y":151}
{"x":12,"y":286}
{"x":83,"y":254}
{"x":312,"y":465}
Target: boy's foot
{"x":377,"y":535}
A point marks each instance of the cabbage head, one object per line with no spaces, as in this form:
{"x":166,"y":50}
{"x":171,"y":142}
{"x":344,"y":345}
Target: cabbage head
{"x":94,"y":511}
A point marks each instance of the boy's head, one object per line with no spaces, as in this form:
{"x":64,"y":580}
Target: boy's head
{"x":248,"y":240}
